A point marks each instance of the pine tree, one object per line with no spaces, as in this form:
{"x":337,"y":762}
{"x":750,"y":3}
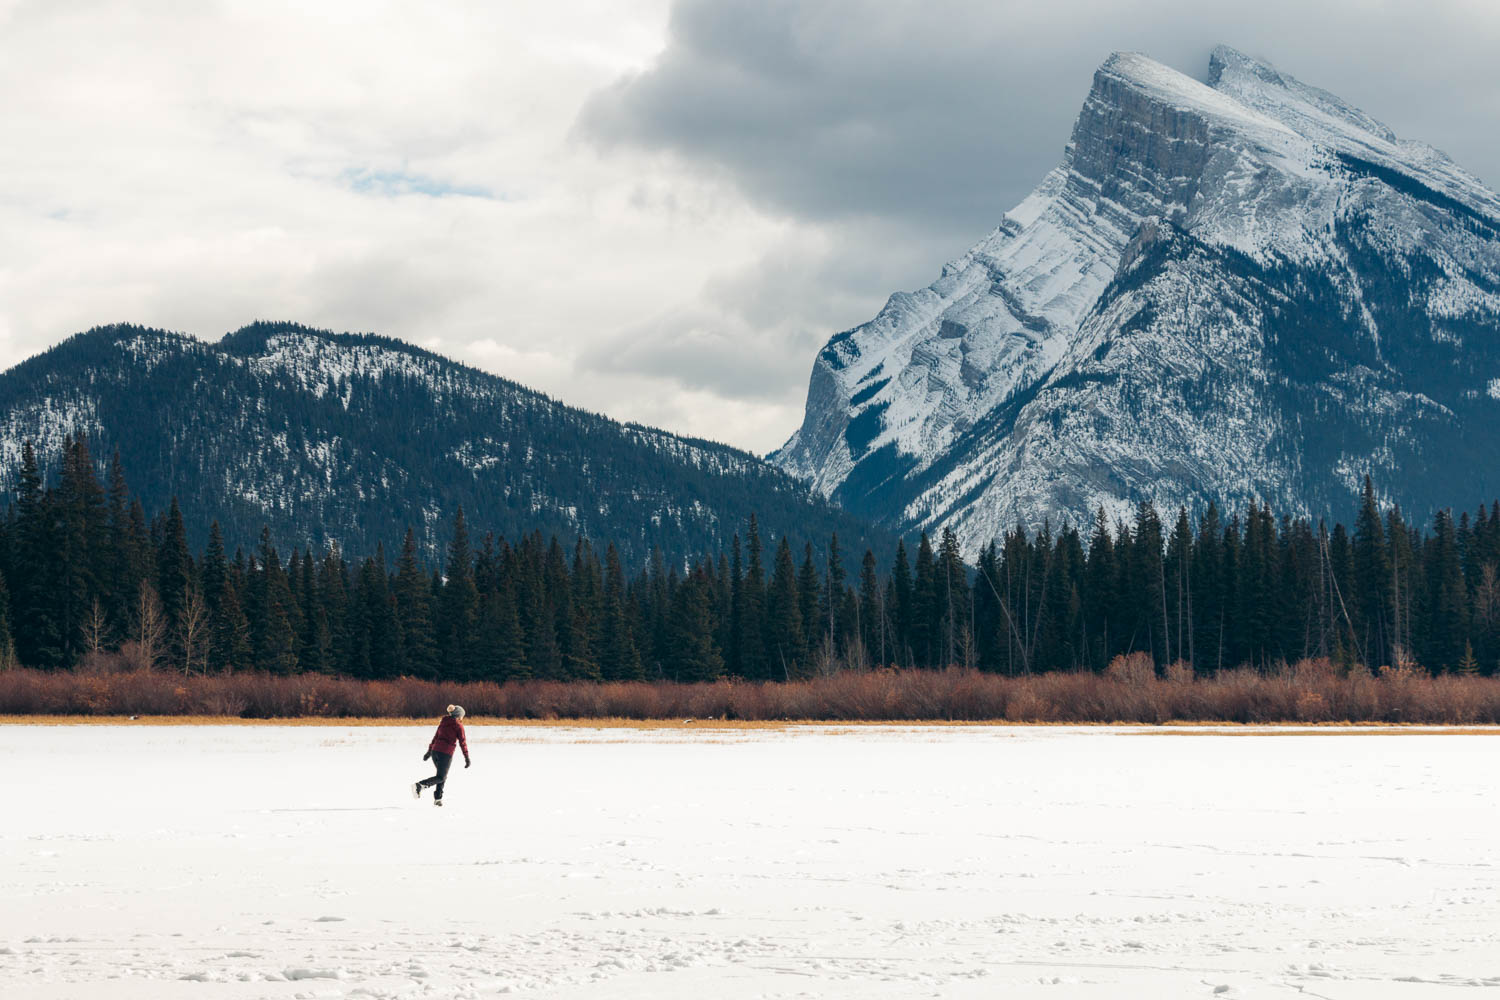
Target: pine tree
{"x":734,"y":650}
{"x":502,"y":647}
{"x":785,"y":641}
{"x":314,"y":651}
{"x":871,"y":611}
{"x":333,"y":597}
{"x":832,"y":599}
{"x":583,"y":590}
{"x":754,"y":660}
{"x":1179,"y":583}
{"x":901,"y":606}
{"x":116,"y":582}
{"x":413,"y":607}
{"x":1207,"y":568}
{"x":989,"y":625}
{"x":229,"y":635}
{"x":694,"y":658}
{"x":458,"y":605}
{"x":174,"y":566}
{"x":7,"y":643}
{"x":38,"y":632}
{"x":619,"y":659}
{"x":952,"y":593}
{"x":380,"y":632}
{"x":1144,"y":584}
{"x":1445,"y":605}
{"x":809,"y":588}
{"x":273,"y":635}
{"x":924,"y":606}
{"x":1372,"y":579}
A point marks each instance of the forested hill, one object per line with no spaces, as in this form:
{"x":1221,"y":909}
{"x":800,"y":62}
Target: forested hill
{"x":350,"y":438}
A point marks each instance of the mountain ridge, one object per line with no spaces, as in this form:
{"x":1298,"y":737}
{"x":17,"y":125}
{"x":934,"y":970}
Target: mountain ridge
{"x":349,"y":438}
{"x":1121,"y":336}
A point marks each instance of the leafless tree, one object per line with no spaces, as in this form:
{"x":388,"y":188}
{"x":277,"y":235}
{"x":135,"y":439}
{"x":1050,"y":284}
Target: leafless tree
{"x":149,"y":629}
{"x":96,"y":631}
{"x":856,"y":656}
{"x":192,"y":631}
{"x":826,"y":660}
{"x":1487,"y":595}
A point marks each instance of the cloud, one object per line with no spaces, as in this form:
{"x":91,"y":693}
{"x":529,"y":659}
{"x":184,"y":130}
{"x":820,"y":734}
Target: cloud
{"x":750,"y":333}
{"x":941,"y":115}
{"x":655,"y":209}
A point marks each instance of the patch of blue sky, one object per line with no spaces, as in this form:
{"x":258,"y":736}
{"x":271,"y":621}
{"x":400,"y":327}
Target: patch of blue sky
{"x":394,"y":183}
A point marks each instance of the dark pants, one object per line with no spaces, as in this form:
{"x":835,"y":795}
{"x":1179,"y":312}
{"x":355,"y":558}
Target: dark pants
{"x":443,"y":761}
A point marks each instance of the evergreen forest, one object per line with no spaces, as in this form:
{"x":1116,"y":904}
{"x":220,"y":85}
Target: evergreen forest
{"x":90,"y":578}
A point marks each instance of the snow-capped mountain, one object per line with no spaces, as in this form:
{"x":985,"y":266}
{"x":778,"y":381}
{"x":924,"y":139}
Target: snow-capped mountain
{"x":351,"y":438}
{"x":1244,"y":289}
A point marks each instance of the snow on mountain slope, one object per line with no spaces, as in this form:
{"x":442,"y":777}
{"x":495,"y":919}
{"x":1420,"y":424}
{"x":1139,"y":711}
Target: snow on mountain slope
{"x":352,"y":439}
{"x":1240,"y":291}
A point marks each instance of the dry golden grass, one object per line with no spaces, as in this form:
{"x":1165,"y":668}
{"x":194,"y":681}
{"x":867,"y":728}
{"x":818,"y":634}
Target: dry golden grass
{"x":1176,"y":727}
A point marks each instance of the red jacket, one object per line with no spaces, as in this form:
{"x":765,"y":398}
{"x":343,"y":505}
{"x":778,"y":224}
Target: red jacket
{"x":449,"y":736}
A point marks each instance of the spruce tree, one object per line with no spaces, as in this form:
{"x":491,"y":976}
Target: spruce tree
{"x":229,"y":632}
{"x":273,"y":635}
{"x":1145,"y":582}
{"x":333,"y":597}
{"x":1444,"y":609}
{"x":618,"y":658}
{"x":7,"y":642}
{"x":1207,"y":569}
{"x":457,"y":606}
{"x":832,"y":599}
{"x":901,"y":606}
{"x":413,"y":607}
{"x":583,"y":591}
{"x":1373,"y":585}
{"x":871,"y":618}
{"x":924,"y":606}
{"x":953,"y":597}
{"x":809,"y":590}
{"x":314,"y":652}
{"x":174,"y":565}
{"x":378,"y":633}
{"x":734,"y":651}
{"x":694,"y":658}
{"x":784,"y":639}
{"x":753,"y":657}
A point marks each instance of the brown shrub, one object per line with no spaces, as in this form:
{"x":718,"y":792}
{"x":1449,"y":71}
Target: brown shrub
{"x":1179,"y":672}
{"x":1129,"y":691}
{"x":1131,"y":668}
{"x":1312,"y":707}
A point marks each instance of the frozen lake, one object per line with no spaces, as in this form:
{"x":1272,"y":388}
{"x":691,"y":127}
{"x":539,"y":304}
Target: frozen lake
{"x":258,"y":861}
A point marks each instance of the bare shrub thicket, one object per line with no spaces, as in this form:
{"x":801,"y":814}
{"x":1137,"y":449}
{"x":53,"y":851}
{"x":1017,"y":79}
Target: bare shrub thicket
{"x":1129,"y":691}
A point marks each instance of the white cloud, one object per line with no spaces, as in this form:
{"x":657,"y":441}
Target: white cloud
{"x":661,"y":224}
{"x":407,"y":169}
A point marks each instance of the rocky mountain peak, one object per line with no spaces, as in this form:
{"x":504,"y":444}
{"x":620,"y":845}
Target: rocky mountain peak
{"x":1233,"y":290}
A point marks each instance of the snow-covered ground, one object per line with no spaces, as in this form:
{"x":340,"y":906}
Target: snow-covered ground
{"x":172,"y":862}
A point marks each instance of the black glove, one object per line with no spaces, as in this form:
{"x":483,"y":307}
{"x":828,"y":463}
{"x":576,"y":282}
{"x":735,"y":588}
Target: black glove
{"x":427,"y":755}
{"x":467,"y":762}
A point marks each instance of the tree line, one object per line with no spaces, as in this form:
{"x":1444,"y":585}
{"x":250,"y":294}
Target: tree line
{"x":88,"y":578}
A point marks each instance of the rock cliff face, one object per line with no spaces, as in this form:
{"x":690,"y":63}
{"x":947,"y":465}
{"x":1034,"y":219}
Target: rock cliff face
{"x":1233,"y":291}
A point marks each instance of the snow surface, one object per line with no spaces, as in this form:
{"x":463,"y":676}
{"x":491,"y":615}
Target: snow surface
{"x":1174,"y":89}
{"x":167,"y":862}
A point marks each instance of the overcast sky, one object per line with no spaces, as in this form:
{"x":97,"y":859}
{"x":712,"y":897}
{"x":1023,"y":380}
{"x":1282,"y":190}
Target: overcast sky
{"x":655,"y":209}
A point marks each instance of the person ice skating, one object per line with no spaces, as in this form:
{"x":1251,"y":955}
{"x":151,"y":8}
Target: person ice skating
{"x":449,"y":737}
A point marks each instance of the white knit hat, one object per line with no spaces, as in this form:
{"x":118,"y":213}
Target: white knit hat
{"x":457,"y":711}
